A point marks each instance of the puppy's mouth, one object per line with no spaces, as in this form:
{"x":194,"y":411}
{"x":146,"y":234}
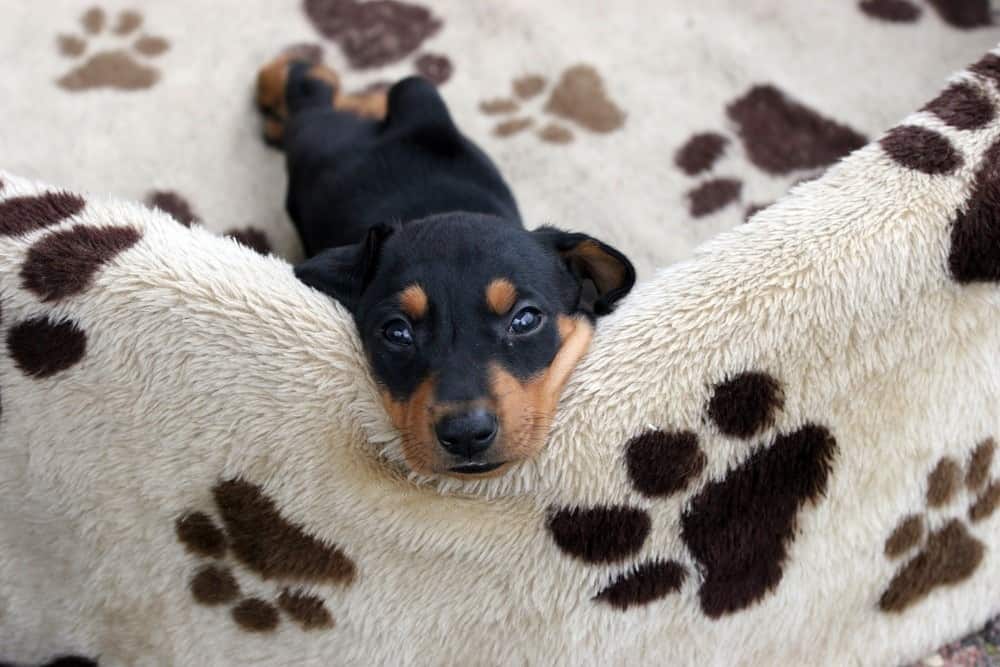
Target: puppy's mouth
{"x":476,"y":468}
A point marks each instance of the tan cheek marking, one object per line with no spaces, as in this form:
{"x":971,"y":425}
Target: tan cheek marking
{"x":413,"y":301}
{"x":515,"y":413}
{"x":413,"y":420}
{"x":566,"y":326}
{"x":526,"y":409}
{"x":500,"y":295}
{"x":576,"y":334}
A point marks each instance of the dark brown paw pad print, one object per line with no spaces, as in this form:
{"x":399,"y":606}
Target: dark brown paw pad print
{"x":289,"y":563}
{"x":42,"y":346}
{"x":173,"y":204}
{"x":966,"y":106}
{"x":974,"y":256}
{"x":961,"y":14}
{"x":610,"y":534}
{"x":892,"y":11}
{"x":948,"y":554}
{"x":251,"y":238}
{"x":579,"y":97}
{"x":181,"y":210}
{"x":779,"y":135}
{"x":737,"y":529}
{"x":59,"y":264}
{"x":381,"y":32}
{"x":118,"y":66}
{"x":962,"y":106}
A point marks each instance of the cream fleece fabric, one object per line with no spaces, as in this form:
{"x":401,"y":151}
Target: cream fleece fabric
{"x":776,"y":452}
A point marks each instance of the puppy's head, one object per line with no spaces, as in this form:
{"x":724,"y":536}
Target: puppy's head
{"x":472,"y":326}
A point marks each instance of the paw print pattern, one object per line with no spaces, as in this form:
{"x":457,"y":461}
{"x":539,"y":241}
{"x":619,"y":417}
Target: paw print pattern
{"x":380,"y":33}
{"x":737,"y":529}
{"x":949,"y":554}
{"x":177,"y":207}
{"x":779,"y":136}
{"x":892,"y":11}
{"x":119,"y":68}
{"x":59,"y":265}
{"x":251,"y":238}
{"x":579,"y":97}
{"x":974,"y":254}
{"x":961,"y":14}
{"x":174,"y":205}
{"x":277,"y":551}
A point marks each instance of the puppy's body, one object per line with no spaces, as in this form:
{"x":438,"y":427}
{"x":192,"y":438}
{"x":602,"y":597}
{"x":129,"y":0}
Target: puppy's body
{"x":347,"y":174}
{"x":471,"y":324}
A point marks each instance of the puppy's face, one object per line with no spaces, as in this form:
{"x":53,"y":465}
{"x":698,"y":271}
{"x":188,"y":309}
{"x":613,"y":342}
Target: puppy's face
{"x":472,"y":326}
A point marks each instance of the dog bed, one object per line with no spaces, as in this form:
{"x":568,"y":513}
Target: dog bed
{"x":780,"y":451}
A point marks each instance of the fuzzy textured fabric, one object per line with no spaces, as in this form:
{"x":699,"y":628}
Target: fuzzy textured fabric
{"x":175,"y":493}
{"x":654,"y":127}
{"x":781,"y":451}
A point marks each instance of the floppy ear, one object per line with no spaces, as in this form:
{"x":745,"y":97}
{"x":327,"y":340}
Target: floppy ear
{"x":345,"y":271}
{"x":603,"y":273}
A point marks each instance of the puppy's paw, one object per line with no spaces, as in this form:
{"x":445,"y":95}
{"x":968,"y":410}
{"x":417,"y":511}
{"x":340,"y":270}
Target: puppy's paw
{"x":273,"y":77}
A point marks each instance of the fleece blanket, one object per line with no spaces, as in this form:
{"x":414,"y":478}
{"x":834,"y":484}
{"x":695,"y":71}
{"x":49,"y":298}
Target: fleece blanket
{"x":780,"y":449}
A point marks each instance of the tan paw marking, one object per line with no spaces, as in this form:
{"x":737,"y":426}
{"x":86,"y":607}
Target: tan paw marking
{"x":117,"y":67}
{"x":280,"y":554}
{"x":371,"y":102}
{"x":579,"y":97}
{"x":949,"y":554}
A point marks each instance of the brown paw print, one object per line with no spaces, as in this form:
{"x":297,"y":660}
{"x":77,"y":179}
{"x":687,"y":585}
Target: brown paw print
{"x":118,"y":68}
{"x":949,"y":553}
{"x":974,"y":253}
{"x":177,"y":207}
{"x":59,"y":265}
{"x":289,"y":564}
{"x":779,"y":136}
{"x":961,"y":14}
{"x":579,"y":97}
{"x":737,"y":529}
{"x":381,"y":32}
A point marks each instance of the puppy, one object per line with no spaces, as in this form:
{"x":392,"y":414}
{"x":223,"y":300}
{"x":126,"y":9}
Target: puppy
{"x":471,"y":324}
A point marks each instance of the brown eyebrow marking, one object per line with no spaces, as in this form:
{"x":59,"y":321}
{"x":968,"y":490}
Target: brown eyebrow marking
{"x":413,"y":301}
{"x":500,"y":295}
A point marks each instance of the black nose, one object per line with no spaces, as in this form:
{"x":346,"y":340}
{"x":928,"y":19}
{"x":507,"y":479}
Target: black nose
{"x":467,"y":434}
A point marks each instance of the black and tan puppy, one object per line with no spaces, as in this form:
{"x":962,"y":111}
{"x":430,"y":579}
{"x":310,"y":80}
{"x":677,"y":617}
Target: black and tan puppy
{"x":471,"y":324}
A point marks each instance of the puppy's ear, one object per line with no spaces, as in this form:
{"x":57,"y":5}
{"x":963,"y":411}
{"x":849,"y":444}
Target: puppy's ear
{"x":604,"y":275}
{"x":344,"y":272}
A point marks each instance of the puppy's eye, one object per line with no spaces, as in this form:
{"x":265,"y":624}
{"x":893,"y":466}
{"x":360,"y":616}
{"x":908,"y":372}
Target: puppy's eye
{"x":525,"y":321}
{"x":398,"y":332}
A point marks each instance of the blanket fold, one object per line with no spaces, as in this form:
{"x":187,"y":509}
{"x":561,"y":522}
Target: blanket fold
{"x":779,"y":451}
